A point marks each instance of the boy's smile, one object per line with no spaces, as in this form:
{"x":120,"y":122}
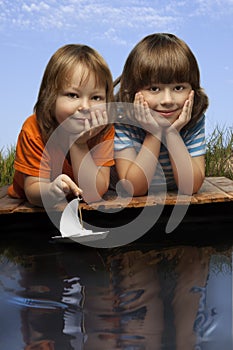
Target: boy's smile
{"x":167,"y":99}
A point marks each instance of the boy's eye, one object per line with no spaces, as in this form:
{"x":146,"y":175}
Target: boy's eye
{"x":98,"y":98}
{"x":154,"y":88}
{"x":72,"y":95}
{"x":179,"y":88}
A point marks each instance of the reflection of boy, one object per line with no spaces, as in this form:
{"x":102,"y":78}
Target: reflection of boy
{"x":152,"y":294}
{"x":41,"y":345}
{"x":73,"y":315}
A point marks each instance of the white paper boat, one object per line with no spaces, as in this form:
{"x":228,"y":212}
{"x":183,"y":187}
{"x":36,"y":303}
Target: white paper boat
{"x":71,"y":228}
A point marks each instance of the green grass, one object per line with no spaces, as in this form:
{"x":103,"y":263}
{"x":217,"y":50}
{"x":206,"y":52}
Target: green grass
{"x":219,"y":156}
{"x":6,"y":166}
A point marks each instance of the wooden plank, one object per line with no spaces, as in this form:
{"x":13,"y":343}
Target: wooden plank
{"x":117,"y":202}
{"x":223,"y":183}
{"x":214,"y":189}
{"x":173,"y":198}
{"x":8,"y":205}
{"x":26,"y":207}
{"x":160,"y":198}
{"x":3,"y":191}
{"x":210,"y":193}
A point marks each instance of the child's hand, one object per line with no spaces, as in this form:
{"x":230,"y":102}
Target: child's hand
{"x":93,"y":126}
{"x":63,"y":184}
{"x":186,"y":113}
{"x":144,"y":117}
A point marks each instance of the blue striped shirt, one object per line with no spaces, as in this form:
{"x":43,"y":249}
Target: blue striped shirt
{"x":128,"y":136}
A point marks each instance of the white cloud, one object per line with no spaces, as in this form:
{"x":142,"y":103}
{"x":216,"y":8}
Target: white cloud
{"x":96,"y":17}
{"x":133,"y":14}
{"x":214,"y":8}
{"x":35,"y":7}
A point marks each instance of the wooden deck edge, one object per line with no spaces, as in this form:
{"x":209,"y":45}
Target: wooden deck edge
{"x":213,"y":190}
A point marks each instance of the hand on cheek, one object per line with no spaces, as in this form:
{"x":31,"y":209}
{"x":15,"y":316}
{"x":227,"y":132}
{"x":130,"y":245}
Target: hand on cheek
{"x":186,"y":114}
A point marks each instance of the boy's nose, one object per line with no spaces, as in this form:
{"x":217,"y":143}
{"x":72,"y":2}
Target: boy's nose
{"x":167,"y":97}
{"x":83,"y":105}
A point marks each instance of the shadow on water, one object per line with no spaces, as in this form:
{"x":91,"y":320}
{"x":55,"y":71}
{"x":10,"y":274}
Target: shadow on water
{"x":137,"y":297}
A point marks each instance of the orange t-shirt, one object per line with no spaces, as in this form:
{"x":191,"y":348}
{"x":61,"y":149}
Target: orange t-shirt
{"x":33,"y":159}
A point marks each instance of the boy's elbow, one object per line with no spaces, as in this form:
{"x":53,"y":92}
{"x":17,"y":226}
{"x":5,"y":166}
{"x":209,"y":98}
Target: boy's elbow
{"x":199,"y":182}
{"x":197,"y":186}
{"x":133,"y":191}
{"x":189,"y":189}
{"x":35,"y":201}
{"x":96,"y":196}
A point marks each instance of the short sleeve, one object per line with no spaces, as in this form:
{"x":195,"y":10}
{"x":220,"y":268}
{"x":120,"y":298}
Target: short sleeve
{"x":194,"y":138}
{"x":29,"y":153}
{"x":123,"y":137}
{"x":103,"y":151}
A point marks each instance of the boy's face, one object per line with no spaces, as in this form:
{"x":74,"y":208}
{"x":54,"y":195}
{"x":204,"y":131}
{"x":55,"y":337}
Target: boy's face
{"x":78,"y":99}
{"x":167,"y":99}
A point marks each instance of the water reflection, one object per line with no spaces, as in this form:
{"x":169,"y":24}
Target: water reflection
{"x":67,"y":296}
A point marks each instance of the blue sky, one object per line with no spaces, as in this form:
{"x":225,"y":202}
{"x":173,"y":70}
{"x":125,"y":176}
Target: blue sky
{"x":31,"y":31}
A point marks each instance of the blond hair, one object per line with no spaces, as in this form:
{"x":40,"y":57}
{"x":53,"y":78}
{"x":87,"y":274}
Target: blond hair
{"x":57,"y":75}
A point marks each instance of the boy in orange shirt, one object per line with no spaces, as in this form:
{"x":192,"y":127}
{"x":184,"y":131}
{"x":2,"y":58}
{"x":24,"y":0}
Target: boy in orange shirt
{"x":68,"y":142}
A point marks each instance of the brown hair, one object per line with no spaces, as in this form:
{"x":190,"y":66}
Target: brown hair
{"x":161,"y":58}
{"x":57,"y":74}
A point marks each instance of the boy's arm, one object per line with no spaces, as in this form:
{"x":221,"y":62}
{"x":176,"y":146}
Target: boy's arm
{"x":189,"y":172}
{"x":137,"y":170}
{"x":94,"y":180}
{"x":39,"y":190}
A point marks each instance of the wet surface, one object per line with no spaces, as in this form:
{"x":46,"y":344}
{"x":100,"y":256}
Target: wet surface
{"x":136,"y":297}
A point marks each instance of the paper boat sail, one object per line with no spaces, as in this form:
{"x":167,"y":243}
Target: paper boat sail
{"x":70,"y":226}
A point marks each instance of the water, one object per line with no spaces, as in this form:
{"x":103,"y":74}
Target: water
{"x":137,"y":297}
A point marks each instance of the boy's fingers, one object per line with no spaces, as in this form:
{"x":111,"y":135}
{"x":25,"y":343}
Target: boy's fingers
{"x":105,"y":117}
{"x":94,"y":121}
{"x":86,"y":125}
{"x":99,"y":118}
{"x":70,"y":186}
